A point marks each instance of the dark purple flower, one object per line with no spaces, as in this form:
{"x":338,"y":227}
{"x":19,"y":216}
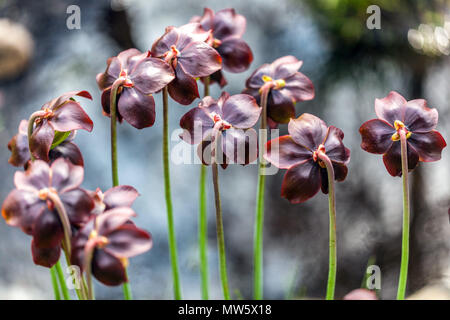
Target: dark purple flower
{"x":381,"y":136}
{"x":62,"y":114}
{"x":287,"y":86}
{"x":114,"y":239}
{"x":228,"y":119}
{"x":29,"y":206}
{"x":298,"y":152}
{"x":184,"y":48}
{"x":120,"y":196}
{"x":227,"y":28}
{"x":141,"y":76}
{"x":20,"y":153}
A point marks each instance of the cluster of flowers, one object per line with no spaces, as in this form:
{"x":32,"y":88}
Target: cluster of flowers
{"x":95,"y":230}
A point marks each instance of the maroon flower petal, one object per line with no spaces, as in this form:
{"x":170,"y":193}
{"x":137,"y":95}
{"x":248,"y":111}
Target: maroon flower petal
{"x":240,"y":146}
{"x":21,"y":208}
{"x":429,"y":145}
{"x":183,"y":89}
{"x":418,"y":117}
{"x":280,"y":107}
{"x":228,"y":23}
{"x":48,"y":230}
{"x":218,"y":77}
{"x":376,"y":136}
{"x":390,"y":108}
{"x":78,"y":205}
{"x":285,"y":67}
{"x":241,"y":111}
{"x":308,"y":131}
{"x":46,"y":257}
{"x":255,"y":81}
{"x":41,"y":140}
{"x":137,"y":108}
{"x":128,"y":241}
{"x":151,"y":75}
{"x":66,"y":176}
{"x":236,"y":54}
{"x":340,"y":173}
{"x":393,"y":161}
{"x":108,"y":269}
{"x":35,"y":178}
{"x":163,"y":44}
{"x":120,"y":196}
{"x":301,"y":182}
{"x":284,"y":152}
{"x":67,"y":150}
{"x":70,"y":116}
{"x":198,"y":59}
{"x":206,"y":20}
{"x":18,"y":146}
{"x":334,"y":147}
{"x":191,"y":32}
{"x":196,"y":122}
{"x":113,"y":219}
{"x":55,"y":103}
{"x":299,"y":87}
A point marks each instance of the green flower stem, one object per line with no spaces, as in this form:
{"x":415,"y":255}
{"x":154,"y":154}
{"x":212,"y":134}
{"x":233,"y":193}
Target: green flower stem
{"x":170,"y":222}
{"x":203,"y":222}
{"x":115,"y":172}
{"x":62,"y":281}
{"x":220,"y":236}
{"x":405,"y":234}
{"x":332,"y":211}
{"x":259,"y":215}
{"x":55,"y":283}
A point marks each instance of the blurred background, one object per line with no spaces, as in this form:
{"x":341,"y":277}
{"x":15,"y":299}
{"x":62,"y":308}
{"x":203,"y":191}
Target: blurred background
{"x":350,"y":66}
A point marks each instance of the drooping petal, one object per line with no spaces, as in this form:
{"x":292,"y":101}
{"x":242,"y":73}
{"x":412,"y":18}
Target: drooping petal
{"x":71,"y":116}
{"x":299,"y":87}
{"x":48,"y":230}
{"x":46,"y":257}
{"x":21,"y":209}
{"x":18,"y":146}
{"x":65,"y":175}
{"x":136,"y":108}
{"x":334,"y":146}
{"x":390,"y":108}
{"x":236,"y":54}
{"x":219,"y":78}
{"x":183,"y":89}
{"x":376,"y":136}
{"x":196,"y":122}
{"x":284,"y":152}
{"x":280,"y":107}
{"x":120,"y":196}
{"x":429,"y":145}
{"x":113,"y":219}
{"x":67,"y":150}
{"x":78,"y":205}
{"x":41,"y":140}
{"x":308,"y":131}
{"x":393,"y":161}
{"x":151,"y":75}
{"x":108,"y":269}
{"x":198,"y":59}
{"x":128,"y":241}
{"x":240,"y":146}
{"x":285,"y":67}
{"x":418,"y":117}
{"x":228,"y":23}
{"x":241,"y":111}
{"x":35,"y":178}
{"x":301,"y":182}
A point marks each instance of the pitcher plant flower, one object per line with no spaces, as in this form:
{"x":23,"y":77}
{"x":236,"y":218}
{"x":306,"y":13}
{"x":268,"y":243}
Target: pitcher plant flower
{"x":227,"y":28}
{"x":314,"y":156}
{"x":405,"y":134}
{"x":105,"y":243}
{"x":46,"y":204}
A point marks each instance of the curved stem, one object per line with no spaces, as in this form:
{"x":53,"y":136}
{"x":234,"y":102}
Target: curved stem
{"x":55,"y":283}
{"x":54,"y":198}
{"x":88,"y":254}
{"x":405,"y":233}
{"x":170,"y":222}
{"x":62,"y":281}
{"x":332,"y":211}
{"x":259,"y":214}
{"x":203,"y":221}
{"x":220,"y":235}
{"x":31,"y":121}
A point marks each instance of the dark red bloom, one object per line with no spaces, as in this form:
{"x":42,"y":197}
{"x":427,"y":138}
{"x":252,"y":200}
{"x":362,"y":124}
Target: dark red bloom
{"x":287,"y":86}
{"x":20,"y":153}
{"x":228,"y":119}
{"x":119,"y":196}
{"x":227,"y":28}
{"x":297,"y":152}
{"x":29,"y":208}
{"x":61,"y":114}
{"x":381,"y":136}
{"x":114,"y":239}
{"x":184,"y":48}
{"x":141,"y":76}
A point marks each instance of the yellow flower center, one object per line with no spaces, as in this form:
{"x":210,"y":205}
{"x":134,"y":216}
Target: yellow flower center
{"x":400,"y":126}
